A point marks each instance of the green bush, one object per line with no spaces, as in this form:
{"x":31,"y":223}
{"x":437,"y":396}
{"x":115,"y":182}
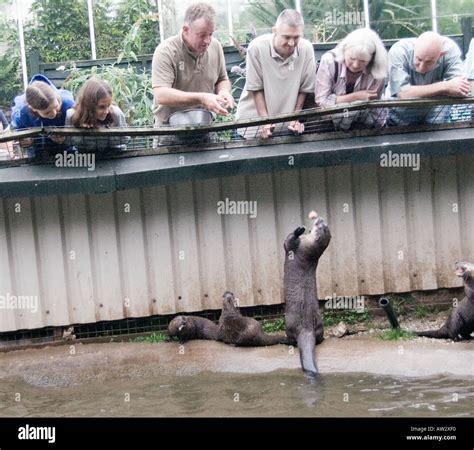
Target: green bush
{"x":152,"y":338}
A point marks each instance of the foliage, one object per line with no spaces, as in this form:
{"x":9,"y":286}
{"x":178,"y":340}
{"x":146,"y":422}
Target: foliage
{"x":403,"y":18}
{"x":10,"y":74}
{"x":272,"y":326}
{"x":333,"y":317}
{"x":59,"y":29}
{"x":395,"y":334}
{"x":226,"y":135}
{"x":392,"y":20}
{"x":422,"y":311}
{"x":450,"y":14}
{"x":143,"y":37}
{"x":131,"y":89}
{"x":152,"y":338}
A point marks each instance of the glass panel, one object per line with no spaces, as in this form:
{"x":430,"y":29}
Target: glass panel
{"x":400,"y":19}
{"x":256,"y":16}
{"x":450,"y":14}
{"x":173,"y":17}
{"x":331,"y":21}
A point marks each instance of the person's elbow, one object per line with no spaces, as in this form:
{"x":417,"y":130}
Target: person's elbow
{"x":161,"y":96}
{"x":404,"y":94}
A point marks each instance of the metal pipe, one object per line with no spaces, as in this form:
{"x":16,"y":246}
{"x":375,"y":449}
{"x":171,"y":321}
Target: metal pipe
{"x":387,"y":307}
{"x":366,"y":14}
{"x":91,"y":28}
{"x":162,"y":20}
{"x":434,"y":16}
{"x":24,"y":69}
{"x":230,"y":25}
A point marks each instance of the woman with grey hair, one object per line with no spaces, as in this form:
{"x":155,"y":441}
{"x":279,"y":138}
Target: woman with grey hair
{"x":354,"y":71}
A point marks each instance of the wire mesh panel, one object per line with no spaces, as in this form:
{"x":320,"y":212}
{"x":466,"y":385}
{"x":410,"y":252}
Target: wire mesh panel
{"x":67,"y":146}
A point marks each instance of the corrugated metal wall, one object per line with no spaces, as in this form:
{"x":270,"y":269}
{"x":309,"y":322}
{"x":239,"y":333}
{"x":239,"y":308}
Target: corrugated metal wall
{"x":165,"y":249}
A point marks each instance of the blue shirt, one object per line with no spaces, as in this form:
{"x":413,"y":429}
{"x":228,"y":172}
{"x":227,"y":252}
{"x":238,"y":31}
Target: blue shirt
{"x":402,"y":72}
{"x":23,"y":117}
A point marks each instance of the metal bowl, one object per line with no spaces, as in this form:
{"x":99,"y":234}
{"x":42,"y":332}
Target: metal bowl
{"x":190,"y":117}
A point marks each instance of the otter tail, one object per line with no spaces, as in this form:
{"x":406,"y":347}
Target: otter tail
{"x":273,"y":339}
{"x":306,"y":344}
{"x":442,"y":333}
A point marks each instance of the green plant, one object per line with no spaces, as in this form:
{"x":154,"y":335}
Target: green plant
{"x":144,"y":34}
{"x":422,"y":311}
{"x":152,"y":338}
{"x":10,"y":72}
{"x":272,"y":326}
{"x":332,"y":317}
{"x":59,"y":29}
{"x":226,"y":135}
{"x":396,"y":333}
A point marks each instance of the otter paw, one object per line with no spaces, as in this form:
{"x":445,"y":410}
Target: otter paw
{"x":299,"y":231}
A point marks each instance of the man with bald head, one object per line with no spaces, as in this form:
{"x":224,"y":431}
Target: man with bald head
{"x":427,"y":66}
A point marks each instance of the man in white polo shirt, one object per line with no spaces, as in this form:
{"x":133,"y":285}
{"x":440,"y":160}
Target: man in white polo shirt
{"x":281,"y":71}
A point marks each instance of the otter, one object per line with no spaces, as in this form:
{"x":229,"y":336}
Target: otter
{"x":244,"y":331}
{"x":303,"y":323}
{"x":460,"y":323}
{"x":192,"y":327}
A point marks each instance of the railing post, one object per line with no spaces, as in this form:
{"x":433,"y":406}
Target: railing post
{"x":34,"y":62}
{"x":466,"y":26}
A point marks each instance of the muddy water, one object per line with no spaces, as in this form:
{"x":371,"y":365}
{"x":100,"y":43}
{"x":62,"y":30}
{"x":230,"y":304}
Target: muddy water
{"x":280,"y":393}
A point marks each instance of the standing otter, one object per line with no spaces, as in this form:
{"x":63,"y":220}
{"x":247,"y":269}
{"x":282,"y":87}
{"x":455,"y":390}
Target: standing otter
{"x":192,"y":327}
{"x":304,"y":326}
{"x":460,"y":323}
{"x":239,"y":330}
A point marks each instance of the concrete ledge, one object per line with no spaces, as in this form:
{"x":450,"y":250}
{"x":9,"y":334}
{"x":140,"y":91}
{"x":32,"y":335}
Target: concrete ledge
{"x":135,"y":172}
{"x":54,"y":366}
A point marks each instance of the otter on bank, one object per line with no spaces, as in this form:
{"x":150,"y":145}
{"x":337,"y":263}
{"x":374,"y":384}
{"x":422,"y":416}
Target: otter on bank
{"x":192,"y":327}
{"x":460,"y":323}
{"x":239,"y":330}
{"x":303,"y":323}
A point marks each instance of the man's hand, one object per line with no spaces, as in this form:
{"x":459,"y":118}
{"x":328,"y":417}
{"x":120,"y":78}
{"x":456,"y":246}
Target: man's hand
{"x":457,"y":87}
{"x":28,"y":142}
{"x":57,"y":139}
{"x":265,"y":131}
{"x":365,"y":95}
{"x":296,"y":127}
{"x":225,"y":99}
{"x":212,"y":102}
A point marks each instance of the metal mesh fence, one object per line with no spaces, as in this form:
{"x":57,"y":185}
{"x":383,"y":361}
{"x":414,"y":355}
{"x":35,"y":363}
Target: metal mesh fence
{"x":371,"y":117}
{"x":118,"y":328}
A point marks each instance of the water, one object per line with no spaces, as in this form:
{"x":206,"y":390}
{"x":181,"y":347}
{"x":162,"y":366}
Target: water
{"x":277,"y":394}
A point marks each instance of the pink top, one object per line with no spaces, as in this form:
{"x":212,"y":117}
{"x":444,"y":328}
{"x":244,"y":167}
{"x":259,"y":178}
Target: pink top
{"x":326,"y":90}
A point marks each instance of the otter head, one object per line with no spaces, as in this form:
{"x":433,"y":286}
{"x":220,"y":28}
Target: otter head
{"x":178,"y":326}
{"x":465,"y":270}
{"x":228,"y":302}
{"x":306,"y":249}
{"x":320,"y":233}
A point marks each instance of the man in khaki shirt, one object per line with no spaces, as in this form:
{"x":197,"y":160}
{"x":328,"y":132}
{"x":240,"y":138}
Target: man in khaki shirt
{"x":188,"y":70}
{"x":281,"y":71}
